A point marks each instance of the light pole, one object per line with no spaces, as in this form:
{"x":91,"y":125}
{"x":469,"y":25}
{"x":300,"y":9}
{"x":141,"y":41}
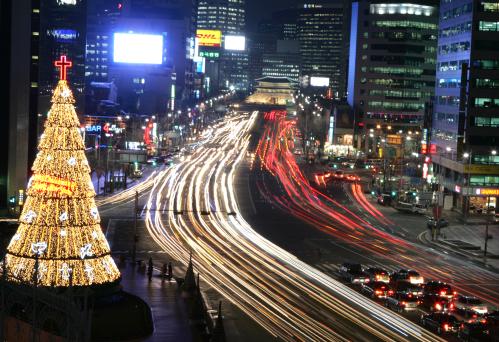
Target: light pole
{"x":467,"y":156}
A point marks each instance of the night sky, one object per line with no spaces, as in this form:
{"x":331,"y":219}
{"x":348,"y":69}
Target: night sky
{"x":260,"y":9}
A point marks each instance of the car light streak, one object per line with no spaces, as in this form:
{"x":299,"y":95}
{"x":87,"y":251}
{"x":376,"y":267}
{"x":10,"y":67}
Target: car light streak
{"x":289,"y":298}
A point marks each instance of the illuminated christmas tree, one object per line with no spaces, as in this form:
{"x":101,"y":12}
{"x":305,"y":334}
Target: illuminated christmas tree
{"x":60,"y":223}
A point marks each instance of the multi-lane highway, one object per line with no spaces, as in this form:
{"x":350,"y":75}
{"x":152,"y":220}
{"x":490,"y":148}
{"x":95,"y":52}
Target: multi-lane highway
{"x":192,"y":207}
{"x":354,"y":226}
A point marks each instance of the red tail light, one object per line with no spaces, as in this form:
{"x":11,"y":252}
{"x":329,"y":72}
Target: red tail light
{"x":403,"y":303}
{"x":446,"y":327}
{"x":378,"y":292}
{"x":438,"y":306}
{"x":443,"y":293}
{"x":451,"y":306}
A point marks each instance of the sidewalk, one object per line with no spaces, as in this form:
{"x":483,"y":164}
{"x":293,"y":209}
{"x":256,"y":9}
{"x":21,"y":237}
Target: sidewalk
{"x":168,"y":309}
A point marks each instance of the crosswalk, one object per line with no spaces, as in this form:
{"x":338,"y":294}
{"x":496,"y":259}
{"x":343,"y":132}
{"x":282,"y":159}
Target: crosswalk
{"x":334,"y":268}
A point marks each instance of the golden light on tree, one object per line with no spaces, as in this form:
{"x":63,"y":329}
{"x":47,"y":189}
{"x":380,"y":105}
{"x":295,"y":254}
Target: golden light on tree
{"x":60,"y":223}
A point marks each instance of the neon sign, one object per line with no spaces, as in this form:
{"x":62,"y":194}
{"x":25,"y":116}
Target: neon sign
{"x":50,"y":184}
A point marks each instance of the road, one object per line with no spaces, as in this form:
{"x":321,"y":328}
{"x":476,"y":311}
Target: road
{"x":352,"y":227}
{"x":192,"y":207}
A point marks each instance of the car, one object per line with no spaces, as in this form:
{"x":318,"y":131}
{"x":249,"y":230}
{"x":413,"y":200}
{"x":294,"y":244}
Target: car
{"x":440,"y":289}
{"x":470,"y":305}
{"x":436,"y":303}
{"x":353,"y":273}
{"x":408,"y":275}
{"x":385,"y":199}
{"x":137,"y":173}
{"x":405,"y":287}
{"x":352,"y":178}
{"x":432,"y":223}
{"x":400,"y":302}
{"x":376,"y":289}
{"x":440,"y":322}
{"x":418,"y":209}
{"x":378,"y":274}
{"x":474,"y":331}
{"x":338,"y":174}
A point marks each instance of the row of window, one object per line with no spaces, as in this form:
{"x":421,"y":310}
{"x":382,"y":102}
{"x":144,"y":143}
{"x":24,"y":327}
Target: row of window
{"x":401,"y":60}
{"x":402,"y":83}
{"x":405,"y":24}
{"x":451,"y":65}
{"x":400,"y":71}
{"x":446,"y":117}
{"x":401,"y":94}
{"x":403,"y":36}
{"x":456,"y":12}
{"x":455,"y":30}
{"x":454,"y":47}
{"x":483,"y":121}
{"x":488,"y":26}
{"x":401,"y":106}
{"x":485,"y":102}
{"x":448,"y":100}
{"x":489,"y":6}
{"x":449,"y":83}
{"x":486,"y":64}
{"x":485,"y":180}
{"x":487,"y":83}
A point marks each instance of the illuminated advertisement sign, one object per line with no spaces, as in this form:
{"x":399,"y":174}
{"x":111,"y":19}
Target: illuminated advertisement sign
{"x":63,"y":35}
{"x":52,"y":185}
{"x":235,"y":43}
{"x":319,"y":81}
{"x":106,"y":128}
{"x":487,"y":192}
{"x":209,"y":54}
{"x":67,"y":2}
{"x":211,"y":38}
{"x":136,"y":48}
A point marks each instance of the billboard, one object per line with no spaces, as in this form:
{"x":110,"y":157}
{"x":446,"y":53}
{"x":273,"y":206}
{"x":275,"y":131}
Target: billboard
{"x":319,"y":81}
{"x":134,"y":48}
{"x":211,"y":38}
{"x":235,"y":43}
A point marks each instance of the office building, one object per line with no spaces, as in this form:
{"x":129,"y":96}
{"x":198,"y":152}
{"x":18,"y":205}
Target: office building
{"x":464,"y":134}
{"x":284,"y":62}
{"x":63,"y":29}
{"x":391,"y":72}
{"x":19,"y":98}
{"x":322,"y":30}
{"x":226,"y":68}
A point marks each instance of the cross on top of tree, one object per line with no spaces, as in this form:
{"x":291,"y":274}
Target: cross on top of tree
{"x":63,"y":63}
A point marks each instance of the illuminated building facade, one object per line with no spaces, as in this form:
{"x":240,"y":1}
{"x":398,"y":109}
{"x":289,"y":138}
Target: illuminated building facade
{"x":322,"y":30}
{"x":230,"y":70}
{"x":391,"y":68}
{"x":464,"y":134}
{"x":63,"y":30}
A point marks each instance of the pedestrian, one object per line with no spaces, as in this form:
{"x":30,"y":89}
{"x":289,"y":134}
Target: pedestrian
{"x":164,"y":271}
{"x":170,"y":271}
{"x":149,"y":268}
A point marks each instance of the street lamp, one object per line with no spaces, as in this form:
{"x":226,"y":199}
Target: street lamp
{"x":494,"y":152}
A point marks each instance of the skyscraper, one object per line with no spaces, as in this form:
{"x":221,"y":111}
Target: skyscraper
{"x":20,"y":60}
{"x":322,"y":30}
{"x":63,"y":29}
{"x":391,"y":70}
{"x":464,"y":136}
{"x":228,"y":16}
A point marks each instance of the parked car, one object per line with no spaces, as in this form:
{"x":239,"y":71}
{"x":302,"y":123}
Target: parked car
{"x":137,"y":173}
{"x":353,"y":273}
{"x":408,"y":275}
{"x":432,"y":223}
{"x":419,"y":209}
{"x":378,"y":274}
{"x":440,"y":322}
{"x":400,"y":302}
{"x":385,"y":199}
{"x":470,"y":305}
{"x":376,"y":289}
{"x":440,"y":289}
{"x":405,"y":287}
